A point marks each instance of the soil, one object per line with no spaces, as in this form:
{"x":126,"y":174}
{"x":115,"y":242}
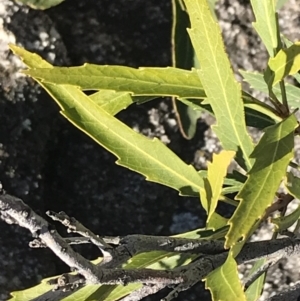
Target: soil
{"x":51,"y":165}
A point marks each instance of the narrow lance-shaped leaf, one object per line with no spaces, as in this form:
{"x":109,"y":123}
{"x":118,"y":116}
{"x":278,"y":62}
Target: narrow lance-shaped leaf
{"x":224,"y":283}
{"x":213,"y":184}
{"x":256,"y":115}
{"x":143,"y":81}
{"x":289,"y":43}
{"x":112,"y":102}
{"x":257,"y":82}
{"x":286,"y":62}
{"x":135,"y":151}
{"x":222,"y":90}
{"x":265,"y":25}
{"x":272,"y":156}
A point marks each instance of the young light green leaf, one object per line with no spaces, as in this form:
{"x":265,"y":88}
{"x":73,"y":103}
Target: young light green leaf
{"x":213,"y":184}
{"x":216,"y":221}
{"x":255,"y":289}
{"x":286,"y":62}
{"x":265,"y":25}
{"x":143,"y":81}
{"x":224,"y":283}
{"x":148,"y":157}
{"x":272,"y":156}
{"x":289,"y":43}
{"x":222,"y":90}
{"x":257,"y":82}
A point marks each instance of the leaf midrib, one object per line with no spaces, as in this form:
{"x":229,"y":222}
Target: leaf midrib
{"x":139,"y":149}
{"x":246,"y":157}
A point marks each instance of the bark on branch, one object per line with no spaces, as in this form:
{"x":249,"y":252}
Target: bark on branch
{"x":118,"y":250}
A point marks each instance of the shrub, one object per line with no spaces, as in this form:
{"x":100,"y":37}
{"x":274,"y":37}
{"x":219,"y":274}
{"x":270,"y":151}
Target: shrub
{"x":146,"y":264}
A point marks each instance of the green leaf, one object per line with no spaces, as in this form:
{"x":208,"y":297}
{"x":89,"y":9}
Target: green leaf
{"x":254,"y":116}
{"x":111,"y":101}
{"x":216,"y":221}
{"x":289,"y":43}
{"x":154,"y":260}
{"x":284,"y":222}
{"x":224,"y":283}
{"x":150,"y":158}
{"x":292,"y":184}
{"x":286,"y":62}
{"x":206,"y":234}
{"x":134,"y":151}
{"x":265,"y":25}
{"x":143,"y":81}
{"x":272,"y":156}
{"x":183,"y":57}
{"x":257,"y":82}
{"x":255,"y":289}
{"x":33,"y":292}
{"x":41,"y":4}
{"x":222,"y":90}
{"x":211,"y":193}
{"x":101,"y":293}
{"x":159,"y":260}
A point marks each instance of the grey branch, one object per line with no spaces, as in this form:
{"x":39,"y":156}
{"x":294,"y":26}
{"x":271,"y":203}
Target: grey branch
{"x":120,"y":249}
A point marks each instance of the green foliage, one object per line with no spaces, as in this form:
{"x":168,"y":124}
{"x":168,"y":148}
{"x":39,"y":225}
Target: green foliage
{"x":257,"y":82}
{"x":265,"y":24}
{"x":286,"y":62}
{"x":210,"y":86}
{"x":213,"y":183}
{"x":273,"y":154}
{"x":215,"y":67}
{"x":41,"y":4}
{"x":224,"y":282}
